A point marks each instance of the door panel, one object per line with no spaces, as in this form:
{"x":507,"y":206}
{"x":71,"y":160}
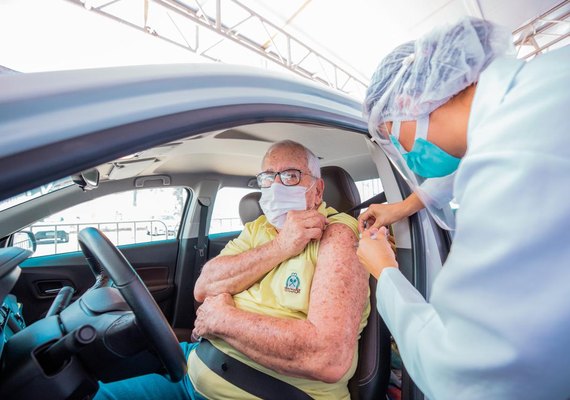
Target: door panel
{"x":41,"y":277}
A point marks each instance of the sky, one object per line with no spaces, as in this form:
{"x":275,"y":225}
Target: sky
{"x":40,"y":35}
{"x":45,"y":35}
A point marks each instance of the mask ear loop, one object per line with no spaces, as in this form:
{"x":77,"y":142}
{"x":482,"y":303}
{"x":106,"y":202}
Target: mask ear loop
{"x":396,"y":129}
{"x":315,"y":179}
{"x":422,"y":126}
{"x":312,"y":184}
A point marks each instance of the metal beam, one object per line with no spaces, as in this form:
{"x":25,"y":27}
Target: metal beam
{"x":543,"y":32}
{"x":216,"y":24}
{"x":256,"y":33}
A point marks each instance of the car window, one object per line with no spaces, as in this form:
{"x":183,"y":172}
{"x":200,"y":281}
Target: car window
{"x":136,"y":216}
{"x":225,"y":215}
{"x":369,"y":188}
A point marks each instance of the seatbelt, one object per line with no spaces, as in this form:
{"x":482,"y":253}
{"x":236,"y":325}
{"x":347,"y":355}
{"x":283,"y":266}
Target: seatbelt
{"x":202,"y":243}
{"x":245,"y":377}
{"x":379,"y":198}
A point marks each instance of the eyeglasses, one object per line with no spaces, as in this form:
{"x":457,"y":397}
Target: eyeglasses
{"x":289,"y":177}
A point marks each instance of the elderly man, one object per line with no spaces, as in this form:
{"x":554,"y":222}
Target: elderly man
{"x":288,"y":297}
{"x":283,"y":304}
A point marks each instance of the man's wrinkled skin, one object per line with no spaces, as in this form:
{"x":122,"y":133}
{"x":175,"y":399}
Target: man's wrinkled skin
{"x":325,"y":342}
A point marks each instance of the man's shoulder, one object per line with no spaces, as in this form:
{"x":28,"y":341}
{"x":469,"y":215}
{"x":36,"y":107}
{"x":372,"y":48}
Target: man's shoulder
{"x":345,"y":219}
{"x":257,"y":226}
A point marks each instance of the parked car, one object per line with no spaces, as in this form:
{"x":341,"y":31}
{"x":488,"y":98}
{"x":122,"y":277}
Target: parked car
{"x":200,"y":128}
{"x":52,"y":235}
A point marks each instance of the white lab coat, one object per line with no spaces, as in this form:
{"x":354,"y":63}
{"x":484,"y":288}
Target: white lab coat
{"x":497,"y":325}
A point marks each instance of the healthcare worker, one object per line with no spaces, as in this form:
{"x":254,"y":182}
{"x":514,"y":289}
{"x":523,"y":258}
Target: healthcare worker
{"x":455,"y":106}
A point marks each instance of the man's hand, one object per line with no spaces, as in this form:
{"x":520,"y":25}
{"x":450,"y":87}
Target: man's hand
{"x":299,"y":229}
{"x":210,"y":313}
{"x":376,"y":251}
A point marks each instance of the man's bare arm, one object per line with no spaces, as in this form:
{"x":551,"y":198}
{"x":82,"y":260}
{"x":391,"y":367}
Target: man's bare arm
{"x":321,"y":347}
{"x":235,"y":273}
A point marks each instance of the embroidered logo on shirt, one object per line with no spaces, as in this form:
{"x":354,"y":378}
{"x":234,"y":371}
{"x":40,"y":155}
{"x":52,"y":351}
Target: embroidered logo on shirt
{"x":292,"y":284}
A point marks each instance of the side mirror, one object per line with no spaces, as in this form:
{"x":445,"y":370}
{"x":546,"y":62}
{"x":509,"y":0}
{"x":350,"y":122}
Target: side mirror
{"x":87,"y":180}
{"x":25,"y":240}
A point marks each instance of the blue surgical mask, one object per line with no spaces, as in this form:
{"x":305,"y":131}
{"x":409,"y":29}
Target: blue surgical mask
{"x":425,"y":159}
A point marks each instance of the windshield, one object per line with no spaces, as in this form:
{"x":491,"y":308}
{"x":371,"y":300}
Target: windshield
{"x":34,"y":193}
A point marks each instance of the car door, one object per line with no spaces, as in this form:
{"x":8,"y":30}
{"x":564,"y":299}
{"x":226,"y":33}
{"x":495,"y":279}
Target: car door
{"x":145,"y":232}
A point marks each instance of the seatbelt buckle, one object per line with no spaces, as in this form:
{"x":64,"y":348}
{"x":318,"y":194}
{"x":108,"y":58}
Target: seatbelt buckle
{"x":200,"y":250}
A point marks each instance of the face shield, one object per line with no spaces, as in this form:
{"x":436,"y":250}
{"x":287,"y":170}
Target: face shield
{"x":435,"y":193}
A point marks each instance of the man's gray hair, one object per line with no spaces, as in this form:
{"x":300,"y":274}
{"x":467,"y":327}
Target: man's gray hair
{"x":312,"y":160}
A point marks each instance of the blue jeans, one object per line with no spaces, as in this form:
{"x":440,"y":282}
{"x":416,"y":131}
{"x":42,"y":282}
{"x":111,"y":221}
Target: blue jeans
{"x":151,"y":387}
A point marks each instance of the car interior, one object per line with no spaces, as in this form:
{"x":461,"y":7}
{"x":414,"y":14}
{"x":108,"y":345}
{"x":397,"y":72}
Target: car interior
{"x":37,"y":357}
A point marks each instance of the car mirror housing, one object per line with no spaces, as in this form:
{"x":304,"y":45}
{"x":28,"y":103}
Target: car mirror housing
{"x":87,"y":180}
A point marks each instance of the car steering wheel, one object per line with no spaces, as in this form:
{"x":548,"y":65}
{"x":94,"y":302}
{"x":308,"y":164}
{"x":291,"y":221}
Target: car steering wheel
{"x":98,"y":248}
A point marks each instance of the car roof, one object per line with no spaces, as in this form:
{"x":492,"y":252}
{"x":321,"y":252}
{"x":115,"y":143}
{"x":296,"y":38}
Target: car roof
{"x":57,"y":123}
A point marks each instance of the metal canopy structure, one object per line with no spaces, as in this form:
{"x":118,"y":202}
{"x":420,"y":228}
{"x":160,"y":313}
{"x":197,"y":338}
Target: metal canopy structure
{"x":549,"y":30}
{"x":219,"y":30}
{"x":229,"y":31}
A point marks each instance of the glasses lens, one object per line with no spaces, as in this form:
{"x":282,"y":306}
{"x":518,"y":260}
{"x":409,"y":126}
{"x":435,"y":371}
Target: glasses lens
{"x":265,"y":179}
{"x":290,"y":177}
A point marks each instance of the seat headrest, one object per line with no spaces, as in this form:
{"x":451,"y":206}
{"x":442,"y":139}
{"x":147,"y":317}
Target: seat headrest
{"x":340,"y":190}
{"x":249,"y":208}
{"x":340,"y":193}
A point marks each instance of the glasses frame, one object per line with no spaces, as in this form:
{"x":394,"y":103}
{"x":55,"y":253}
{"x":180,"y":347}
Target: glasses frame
{"x":301,"y":173}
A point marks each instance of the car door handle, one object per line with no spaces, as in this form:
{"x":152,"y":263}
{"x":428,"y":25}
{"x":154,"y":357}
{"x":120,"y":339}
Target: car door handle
{"x":50,"y":288}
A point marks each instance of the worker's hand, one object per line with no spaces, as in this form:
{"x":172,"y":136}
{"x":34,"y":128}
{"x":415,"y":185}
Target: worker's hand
{"x":212,"y":313}
{"x":376,"y":251}
{"x":392,"y":241}
{"x":379,"y":215}
{"x":299,"y":229}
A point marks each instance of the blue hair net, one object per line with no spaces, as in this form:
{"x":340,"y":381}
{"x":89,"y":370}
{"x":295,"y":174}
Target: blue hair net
{"x":419,"y":76}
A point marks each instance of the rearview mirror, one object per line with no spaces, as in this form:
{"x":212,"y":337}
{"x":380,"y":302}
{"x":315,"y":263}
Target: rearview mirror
{"x":87,"y":180}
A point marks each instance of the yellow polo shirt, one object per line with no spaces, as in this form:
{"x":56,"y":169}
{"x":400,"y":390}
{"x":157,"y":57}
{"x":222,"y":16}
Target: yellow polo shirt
{"x":283,"y":293}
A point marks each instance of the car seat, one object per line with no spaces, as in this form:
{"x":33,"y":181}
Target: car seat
{"x":249,"y":208}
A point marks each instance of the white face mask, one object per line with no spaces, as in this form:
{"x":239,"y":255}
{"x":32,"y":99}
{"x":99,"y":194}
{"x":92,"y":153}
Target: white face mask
{"x":277,"y":200}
